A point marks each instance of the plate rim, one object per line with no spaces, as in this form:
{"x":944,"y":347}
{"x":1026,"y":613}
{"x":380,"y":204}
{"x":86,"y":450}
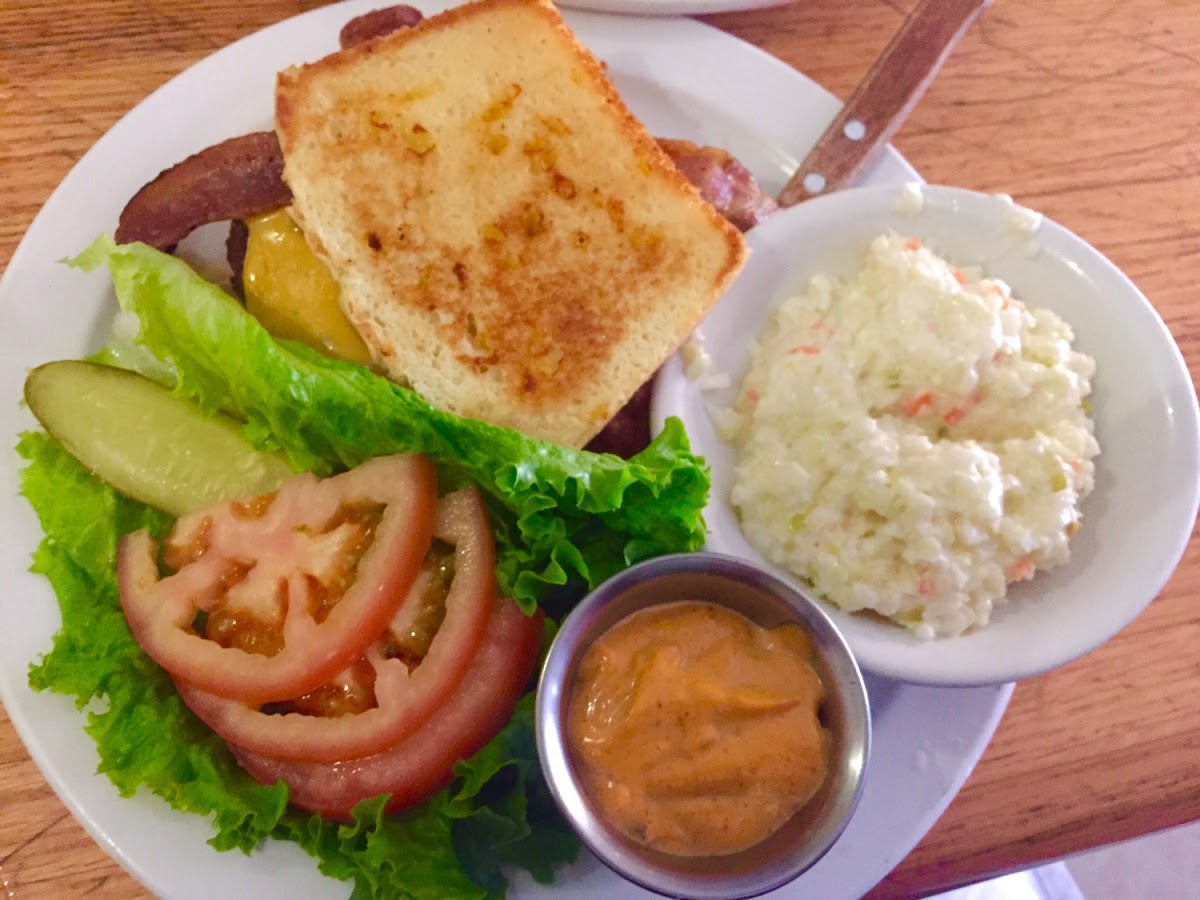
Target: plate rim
{"x":655,"y":8}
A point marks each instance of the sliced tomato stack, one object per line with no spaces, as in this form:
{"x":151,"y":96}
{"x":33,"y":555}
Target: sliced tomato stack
{"x":342,"y":635}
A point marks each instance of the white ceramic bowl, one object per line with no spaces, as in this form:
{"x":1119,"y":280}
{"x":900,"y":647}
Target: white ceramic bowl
{"x":1137,"y":521}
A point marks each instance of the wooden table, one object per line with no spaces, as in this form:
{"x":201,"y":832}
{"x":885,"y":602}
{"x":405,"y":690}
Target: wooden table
{"x":1084,"y":109}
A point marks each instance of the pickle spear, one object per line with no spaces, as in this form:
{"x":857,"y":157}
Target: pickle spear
{"x":146,"y":443}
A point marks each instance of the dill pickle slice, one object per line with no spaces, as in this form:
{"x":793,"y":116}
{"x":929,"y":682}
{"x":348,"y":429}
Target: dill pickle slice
{"x":146,"y":443}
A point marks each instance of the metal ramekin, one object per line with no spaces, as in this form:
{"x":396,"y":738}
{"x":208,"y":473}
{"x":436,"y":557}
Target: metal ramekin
{"x":768,"y":601}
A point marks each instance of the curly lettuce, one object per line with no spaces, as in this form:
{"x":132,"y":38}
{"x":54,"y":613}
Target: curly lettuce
{"x":563,"y":519}
{"x":560,"y":514}
{"x":146,"y":737}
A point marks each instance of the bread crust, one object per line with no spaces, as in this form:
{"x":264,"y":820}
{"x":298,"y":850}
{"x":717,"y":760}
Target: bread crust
{"x":509,"y":239}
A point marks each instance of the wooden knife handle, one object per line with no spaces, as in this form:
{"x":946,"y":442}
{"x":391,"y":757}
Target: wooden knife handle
{"x":882,"y":101}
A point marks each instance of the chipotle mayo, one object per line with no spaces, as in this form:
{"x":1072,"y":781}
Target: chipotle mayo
{"x":695,"y":730}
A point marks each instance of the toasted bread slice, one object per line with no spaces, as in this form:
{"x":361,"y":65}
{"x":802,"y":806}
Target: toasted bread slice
{"x":509,"y":240}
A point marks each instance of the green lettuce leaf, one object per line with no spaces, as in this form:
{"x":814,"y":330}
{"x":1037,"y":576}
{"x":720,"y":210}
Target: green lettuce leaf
{"x":505,"y":812}
{"x":561,"y":515}
{"x":498,"y":812}
{"x":147,"y":738}
{"x":144,"y":734}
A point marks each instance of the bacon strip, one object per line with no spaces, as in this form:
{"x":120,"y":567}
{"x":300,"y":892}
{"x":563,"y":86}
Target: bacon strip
{"x":235,"y":179}
{"x":628,"y":432}
{"x":722,"y":181}
{"x":236,"y":246}
{"x":377,"y":23}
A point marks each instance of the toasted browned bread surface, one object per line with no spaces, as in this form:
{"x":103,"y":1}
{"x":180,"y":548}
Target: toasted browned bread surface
{"x":509,"y":240}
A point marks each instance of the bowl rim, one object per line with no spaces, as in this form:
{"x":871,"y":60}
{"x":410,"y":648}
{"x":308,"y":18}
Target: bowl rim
{"x":625,"y":857}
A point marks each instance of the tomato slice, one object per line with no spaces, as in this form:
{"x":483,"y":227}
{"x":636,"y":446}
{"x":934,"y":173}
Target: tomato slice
{"x":405,"y":698}
{"x":419,"y":766}
{"x":292,"y":586}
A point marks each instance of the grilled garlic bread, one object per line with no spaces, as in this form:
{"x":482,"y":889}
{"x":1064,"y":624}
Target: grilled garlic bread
{"x":508,"y":239}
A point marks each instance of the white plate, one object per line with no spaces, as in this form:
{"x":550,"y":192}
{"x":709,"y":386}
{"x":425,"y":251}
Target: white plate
{"x":669,"y":7}
{"x":1147,"y":474}
{"x":675,"y":75}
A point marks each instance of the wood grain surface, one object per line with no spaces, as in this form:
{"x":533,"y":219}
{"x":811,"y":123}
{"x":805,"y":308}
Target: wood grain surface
{"x":883,"y":99}
{"x":1084,"y":109}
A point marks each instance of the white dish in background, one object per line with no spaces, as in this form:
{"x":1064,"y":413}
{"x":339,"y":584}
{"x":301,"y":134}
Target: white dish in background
{"x":669,"y":7}
{"x":675,"y":74}
{"x":1137,"y":521}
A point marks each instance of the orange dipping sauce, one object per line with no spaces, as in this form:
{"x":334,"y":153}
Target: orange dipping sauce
{"x":696,"y":732}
